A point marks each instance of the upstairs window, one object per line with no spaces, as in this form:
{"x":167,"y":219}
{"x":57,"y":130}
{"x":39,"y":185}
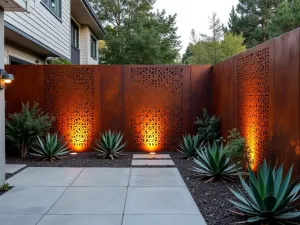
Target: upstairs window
{"x":93,"y":47}
{"x":54,"y":6}
{"x":74,"y":34}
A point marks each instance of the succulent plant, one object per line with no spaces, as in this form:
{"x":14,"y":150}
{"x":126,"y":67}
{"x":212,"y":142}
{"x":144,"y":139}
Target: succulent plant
{"x":189,"y":146}
{"x":212,"y":163}
{"x":109,"y":145}
{"x":51,"y":148}
{"x":5,"y":187}
{"x":271,"y":199}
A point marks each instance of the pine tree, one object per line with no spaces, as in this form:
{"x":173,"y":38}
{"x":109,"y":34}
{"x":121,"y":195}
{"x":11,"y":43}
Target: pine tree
{"x":286,"y":18}
{"x":251,"y":18}
{"x":216,"y":28}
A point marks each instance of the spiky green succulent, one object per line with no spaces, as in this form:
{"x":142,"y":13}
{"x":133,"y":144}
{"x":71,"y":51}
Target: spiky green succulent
{"x":270,"y":199}
{"x":110,"y":144}
{"x":189,"y":145}
{"x":51,"y":148}
{"x":212,"y":163}
{"x":5,"y":187}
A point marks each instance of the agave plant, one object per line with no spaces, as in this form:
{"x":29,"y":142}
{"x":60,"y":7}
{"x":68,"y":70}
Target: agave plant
{"x":109,"y":145}
{"x":189,"y":146}
{"x":51,"y":148}
{"x":212,"y":163}
{"x":270,"y":200}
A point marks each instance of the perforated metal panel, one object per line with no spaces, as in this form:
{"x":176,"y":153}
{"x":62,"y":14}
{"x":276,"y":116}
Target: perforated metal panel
{"x":69,"y":96}
{"x":155,"y":100}
{"x":253,"y":101}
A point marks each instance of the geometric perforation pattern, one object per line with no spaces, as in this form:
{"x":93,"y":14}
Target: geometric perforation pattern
{"x":253,"y":101}
{"x":69,"y":96}
{"x":156,"y":97}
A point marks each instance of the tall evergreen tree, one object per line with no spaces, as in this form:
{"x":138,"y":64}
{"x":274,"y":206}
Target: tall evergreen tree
{"x":251,"y":18}
{"x":286,"y":18}
{"x":216,"y":28}
{"x":206,"y":49}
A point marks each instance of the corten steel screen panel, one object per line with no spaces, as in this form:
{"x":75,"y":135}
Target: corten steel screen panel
{"x":71,"y":96}
{"x":266,"y":99}
{"x":153,"y":105}
{"x":156,"y":106}
{"x":254,"y":99}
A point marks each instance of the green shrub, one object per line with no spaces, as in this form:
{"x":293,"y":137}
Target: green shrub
{"x":51,"y":148}
{"x":109,"y":145}
{"x":58,"y":61}
{"x":208,"y":127}
{"x":213,"y":164}
{"x":270,"y":199}
{"x":24,"y":127}
{"x":189,"y":146}
{"x":236,"y":148}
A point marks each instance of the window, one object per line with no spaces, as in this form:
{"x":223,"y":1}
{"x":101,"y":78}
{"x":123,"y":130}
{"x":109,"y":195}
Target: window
{"x":54,"y":6}
{"x":93,"y":47}
{"x":74,"y":34}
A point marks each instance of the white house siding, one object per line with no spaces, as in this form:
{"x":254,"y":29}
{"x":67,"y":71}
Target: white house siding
{"x":45,"y":27}
{"x":20,"y":53}
{"x":85,"y":47}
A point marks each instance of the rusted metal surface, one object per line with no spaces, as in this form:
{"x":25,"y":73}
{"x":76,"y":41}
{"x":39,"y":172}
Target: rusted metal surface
{"x":258,"y":93}
{"x":156,"y":106}
{"x":150,"y":104}
{"x":201,"y":92}
{"x":286,"y":100}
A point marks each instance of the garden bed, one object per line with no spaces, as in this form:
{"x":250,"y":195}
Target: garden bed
{"x":211,"y":198}
{"x":82,"y":159}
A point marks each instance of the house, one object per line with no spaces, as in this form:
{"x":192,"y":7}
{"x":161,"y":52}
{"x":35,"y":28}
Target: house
{"x":52,"y":28}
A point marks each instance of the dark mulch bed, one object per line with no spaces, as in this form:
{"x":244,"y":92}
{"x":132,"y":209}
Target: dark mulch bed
{"x":209,"y":197}
{"x":82,"y":159}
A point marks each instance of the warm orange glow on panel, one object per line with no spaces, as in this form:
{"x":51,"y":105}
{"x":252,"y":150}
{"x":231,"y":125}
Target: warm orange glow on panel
{"x":294,"y":145}
{"x":152,"y":129}
{"x":77,"y":133}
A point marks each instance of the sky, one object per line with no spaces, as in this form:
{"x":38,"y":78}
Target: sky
{"x":194,"y":14}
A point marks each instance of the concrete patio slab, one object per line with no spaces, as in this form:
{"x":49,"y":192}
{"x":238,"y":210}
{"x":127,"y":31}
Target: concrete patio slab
{"x":12,"y":168}
{"x":156,"y":172}
{"x":159,"y":181}
{"x":81,"y":220}
{"x":109,"y":177}
{"x":163,"y":220}
{"x":29,"y":201}
{"x":150,"y":162}
{"x":148,"y":156}
{"x":91,"y":201}
{"x":45,"y":177}
{"x":19,"y":219}
{"x":160,"y":201}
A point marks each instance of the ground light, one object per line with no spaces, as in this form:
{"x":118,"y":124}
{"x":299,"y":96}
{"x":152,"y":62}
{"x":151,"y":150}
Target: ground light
{"x":73,"y":153}
{"x":152,"y":153}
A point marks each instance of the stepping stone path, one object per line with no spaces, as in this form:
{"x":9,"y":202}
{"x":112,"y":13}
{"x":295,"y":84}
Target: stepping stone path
{"x":98,"y":196}
{"x":152,"y":160}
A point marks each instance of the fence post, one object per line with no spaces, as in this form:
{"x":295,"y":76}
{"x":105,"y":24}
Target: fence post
{"x":2,"y":104}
